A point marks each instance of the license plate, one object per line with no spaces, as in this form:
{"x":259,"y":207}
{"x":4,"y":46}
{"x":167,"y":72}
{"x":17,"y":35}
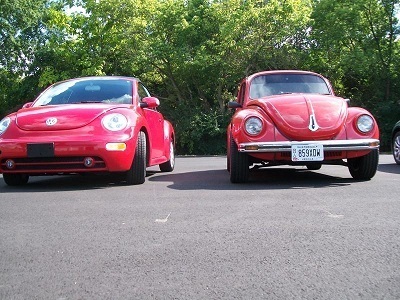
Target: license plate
{"x":307,"y":152}
{"x":40,"y":150}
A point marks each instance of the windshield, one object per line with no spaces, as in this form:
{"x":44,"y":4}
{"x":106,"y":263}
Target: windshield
{"x":276,"y":84}
{"x":87,"y":91}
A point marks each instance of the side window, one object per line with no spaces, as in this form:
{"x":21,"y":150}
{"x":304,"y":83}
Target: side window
{"x":142,"y":91}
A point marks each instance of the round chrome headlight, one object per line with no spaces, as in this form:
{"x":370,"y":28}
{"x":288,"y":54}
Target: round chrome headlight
{"x":253,"y":125}
{"x":365,"y":123}
{"x":4,"y":124}
{"x":114,"y":122}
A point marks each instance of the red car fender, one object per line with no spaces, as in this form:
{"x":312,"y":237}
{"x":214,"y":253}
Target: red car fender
{"x":169,"y":135}
{"x":238,"y":133}
{"x":142,"y":125}
{"x":236,"y":124}
{"x":351,"y":126}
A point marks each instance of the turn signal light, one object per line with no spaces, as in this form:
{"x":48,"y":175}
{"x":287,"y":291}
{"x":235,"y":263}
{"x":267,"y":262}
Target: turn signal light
{"x":251,"y":148}
{"x":374,"y":144}
{"x":116,"y":146}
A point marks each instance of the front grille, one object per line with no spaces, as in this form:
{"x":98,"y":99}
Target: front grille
{"x":53,"y":164}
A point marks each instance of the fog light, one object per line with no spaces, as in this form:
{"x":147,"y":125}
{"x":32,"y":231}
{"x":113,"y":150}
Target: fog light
{"x":88,"y":162}
{"x":10,"y":164}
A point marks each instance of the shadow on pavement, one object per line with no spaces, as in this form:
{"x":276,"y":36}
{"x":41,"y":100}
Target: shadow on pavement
{"x":268,"y":179}
{"x":62,"y":183}
{"x":392,"y":168}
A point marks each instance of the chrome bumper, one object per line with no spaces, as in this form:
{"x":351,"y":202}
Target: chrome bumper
{"x":329,"y":145}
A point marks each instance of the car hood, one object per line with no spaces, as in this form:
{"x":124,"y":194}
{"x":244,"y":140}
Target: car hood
{"x":60,"y":117}
{"x":305,"y":116}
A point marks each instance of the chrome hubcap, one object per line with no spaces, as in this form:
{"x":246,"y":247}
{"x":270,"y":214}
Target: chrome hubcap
{"x":396,"y":148}
{"x":172,"y":154}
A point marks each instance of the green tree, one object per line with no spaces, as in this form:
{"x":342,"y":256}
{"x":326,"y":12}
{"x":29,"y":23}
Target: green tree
{"x":355,"y":45}
{"x":192,"y":53}
{"x":20,"y":36}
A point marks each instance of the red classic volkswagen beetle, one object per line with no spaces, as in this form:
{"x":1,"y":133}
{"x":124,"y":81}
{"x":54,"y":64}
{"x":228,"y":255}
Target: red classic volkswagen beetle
{"x":87,"y":125}
{"x":294,"y":118}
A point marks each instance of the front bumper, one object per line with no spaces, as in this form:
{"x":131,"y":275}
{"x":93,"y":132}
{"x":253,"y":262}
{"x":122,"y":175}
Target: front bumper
{"x":329,"y":145}
{"x":64,"y":157}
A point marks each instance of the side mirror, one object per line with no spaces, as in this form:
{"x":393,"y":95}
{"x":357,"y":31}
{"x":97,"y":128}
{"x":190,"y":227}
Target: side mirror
{"x":27,"y":105}
{"x":149,"y":102}
{"x":234,"y":104}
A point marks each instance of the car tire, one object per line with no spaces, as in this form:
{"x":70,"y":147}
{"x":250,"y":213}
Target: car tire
{"x":396,"y":147}
{"x":15,"y":179}
{"x":137,"y":173}
{"x":238,"y":164}
{"x":169,"y":165}
{"x":228,"y":161}
{"x":364,"y":167}
{"x":313,"y":167}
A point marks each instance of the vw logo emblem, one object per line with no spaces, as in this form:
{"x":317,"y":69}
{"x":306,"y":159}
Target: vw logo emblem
{"x":51,"y":121}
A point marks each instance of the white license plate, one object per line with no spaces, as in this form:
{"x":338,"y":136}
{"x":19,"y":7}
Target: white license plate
{"x":307,"y":152}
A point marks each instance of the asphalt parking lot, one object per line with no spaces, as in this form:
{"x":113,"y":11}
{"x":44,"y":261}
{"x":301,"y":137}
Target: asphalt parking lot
{"x":289,"y":233}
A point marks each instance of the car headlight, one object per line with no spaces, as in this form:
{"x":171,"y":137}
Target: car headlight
{"x":253,"y":125}
{"x":4,"y":124}
{"x":365,"y":123}
{"x":114,"y":122}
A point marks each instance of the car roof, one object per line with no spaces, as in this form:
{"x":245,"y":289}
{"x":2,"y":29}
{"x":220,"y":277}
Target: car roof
{"x":104,"y":77}
{"x":250,"y":77}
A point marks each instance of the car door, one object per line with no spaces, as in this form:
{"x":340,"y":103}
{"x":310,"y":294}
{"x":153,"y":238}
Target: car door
{"x":155,"y":122}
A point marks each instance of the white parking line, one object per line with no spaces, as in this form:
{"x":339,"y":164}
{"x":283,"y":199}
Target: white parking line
{"x":162,"y":220}
{"x":333,"y":215}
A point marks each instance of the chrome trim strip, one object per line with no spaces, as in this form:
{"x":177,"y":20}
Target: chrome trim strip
{"x":330,"y":145}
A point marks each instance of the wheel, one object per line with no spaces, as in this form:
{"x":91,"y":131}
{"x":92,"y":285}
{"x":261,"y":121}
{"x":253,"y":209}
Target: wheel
{"x":228,"y":161}
{"x":313,"y":167}
{"x":364,"y":167}
{"x":396,"y":148}
{"x":169,"y":165}
{"x":137,"y":173}
{"x":15,"y":179}
{"x":238,"y":164}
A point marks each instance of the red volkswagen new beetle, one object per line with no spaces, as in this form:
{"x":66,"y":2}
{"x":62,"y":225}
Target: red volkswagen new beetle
{"x":87,"y":125}
{"x":294,"y":118}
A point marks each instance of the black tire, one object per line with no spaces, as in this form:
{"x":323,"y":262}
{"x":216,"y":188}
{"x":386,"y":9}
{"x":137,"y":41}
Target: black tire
{"x":15,"y":179}
{"x":364,"y":167}
{"x":238,"y":164}
{"x":169,"y":165}
{"x":314,"y":167}
{"x":396,"y":148}
{"x":137,"y":173}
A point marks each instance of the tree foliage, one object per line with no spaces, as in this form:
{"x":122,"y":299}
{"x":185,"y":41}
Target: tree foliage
{"x":192,"y":53}
{"x":355,"y":42}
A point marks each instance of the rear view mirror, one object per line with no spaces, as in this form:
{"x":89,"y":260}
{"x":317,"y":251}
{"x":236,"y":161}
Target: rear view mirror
{"x":149,"y":102}
{"x":27,"y":105}
{"x":234,"y":104}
